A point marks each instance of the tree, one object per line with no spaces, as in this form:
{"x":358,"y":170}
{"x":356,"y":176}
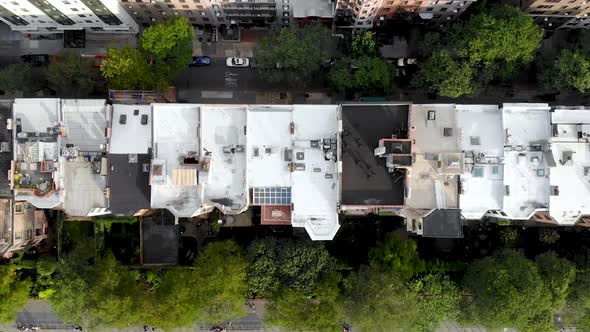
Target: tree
{"x":129,"y":69}
{"x":396,"y":255}
{"x":507,"y":290}
{"x":214,"y":290}
{"x":103,"y":294}
{"x":13,"y":292}
{"x":21,"y":77}
{"x":577,"y":307}
{"x":364,"y":44}
{"x":558,"y":274}
{"x":294,"y":54}
{"x":378,"y":300}
{"x":442,"y":74}
{"x":74,"y":76}
{"x":319,"y":311}
{"x":369,"y":75}
{"x":438,"y":301}
{"x":571,"y":71}
{"x":297,"y":264}
{"x":499,"y":33}
{"x":170,"y":42}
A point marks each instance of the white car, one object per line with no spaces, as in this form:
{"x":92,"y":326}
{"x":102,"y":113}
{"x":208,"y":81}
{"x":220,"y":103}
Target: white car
{"x":237,"y":62}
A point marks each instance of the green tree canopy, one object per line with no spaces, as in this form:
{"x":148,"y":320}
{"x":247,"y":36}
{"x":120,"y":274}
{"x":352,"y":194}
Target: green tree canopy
{"x":364,"y":44}
{"x":376,"y":299}
{"x":14,"y":293}
{"x":214,"y":290}
{"x":297,"y":264}
{"x":396,"y":255}
{"x":507,"y":290}
{"x":368,"y":75}
{"x":320,"y":311}
{"x":499,"y":33}
{"x":558,"y":274}
{"x":21,"y":77}
{"x":103,"y":294}
{"x":129,"y":69}
{"x":577,"y":308}
{"x":294,"y":54}
{"x":438,"y":301}
{"x":571,"y":71}
{"x":170,"y":42}
{"x":442,"y":74}
{"x":74,"y":76}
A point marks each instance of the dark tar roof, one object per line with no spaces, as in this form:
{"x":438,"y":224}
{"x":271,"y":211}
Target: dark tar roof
{"x":160,"y":242}
{"x":5,"y":157}
{"x":443,"y":223}
{"x":365,"y":178}
{"x":129,"y":184}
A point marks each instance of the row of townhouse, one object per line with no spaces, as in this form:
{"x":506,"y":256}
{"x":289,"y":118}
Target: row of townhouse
{"x":126,"y":16}
{"x":305,"y":165}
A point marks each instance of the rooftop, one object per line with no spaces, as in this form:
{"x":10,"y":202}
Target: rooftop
{"x":433,"y":177}
{"x":526,"y":159}
{"x":174,"y":174}
{"x":292,"y":160}
{"x":223,"y":142}
{"x":482,"y":141}
{"x":131,"y":129}
{"x":366,"y":180}
{"x":5,"y":224}
{"x":313,"y":8}
{"x":128,"y":181}
{"x":160,"y":242}
{"x":443,"y":223}
{"x":570,"y":175}
{"x":85,"y":122}
{"x":38,"y":178}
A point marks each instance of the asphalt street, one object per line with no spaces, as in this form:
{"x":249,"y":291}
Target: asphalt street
{"x":198,"y":84}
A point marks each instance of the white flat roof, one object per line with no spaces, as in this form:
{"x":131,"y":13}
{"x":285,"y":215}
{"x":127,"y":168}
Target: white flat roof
{"x":85,"y":123}
{"x":569,"y":115}
{"x":315,"y":190}
{"x":526,"y":171}
{"x":223,"y":137}
{"x":268,"y":133}
{"x":572,"y":179}
{"x":275,"y":130}
{"x":36,"y":114}
{"x":131,"y":137}
{"x":312,"y":8}
{"x":430,"y":134}
{"x":175,"y":133}
{"x":482,"y":141}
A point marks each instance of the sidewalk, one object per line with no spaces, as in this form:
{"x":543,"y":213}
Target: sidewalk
{"x":223,"y":49}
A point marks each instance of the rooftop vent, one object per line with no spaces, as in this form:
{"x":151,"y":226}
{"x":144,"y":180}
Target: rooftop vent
{"x":447,"y":132}
{"x":135,"y":112}
{"x":144,"y":119}
{"x":122,"y":119}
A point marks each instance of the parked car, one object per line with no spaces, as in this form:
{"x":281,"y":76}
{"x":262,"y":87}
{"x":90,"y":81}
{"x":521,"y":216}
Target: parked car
{"x":36,"y":60}
{"x":237,"y":62}
{"x":200,"y":61}
{"x":405,"y":62}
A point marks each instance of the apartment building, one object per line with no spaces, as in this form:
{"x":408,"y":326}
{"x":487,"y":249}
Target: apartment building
{"x":363,"y":14}
{"x":49,"y":16}
{"x":558,"y":14}
{"x":247,"y":13}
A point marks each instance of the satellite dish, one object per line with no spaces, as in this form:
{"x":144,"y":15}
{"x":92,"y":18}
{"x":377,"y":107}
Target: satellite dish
{"x":426,"y":16}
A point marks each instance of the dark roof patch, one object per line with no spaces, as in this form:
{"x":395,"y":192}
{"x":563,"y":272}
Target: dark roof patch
{"x":129,"y":184}
{"x":443,"y":223}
